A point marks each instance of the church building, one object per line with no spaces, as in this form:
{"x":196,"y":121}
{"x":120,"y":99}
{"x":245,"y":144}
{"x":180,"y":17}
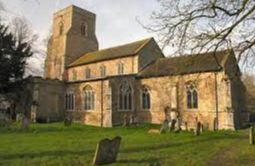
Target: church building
{"x":134,"y":81}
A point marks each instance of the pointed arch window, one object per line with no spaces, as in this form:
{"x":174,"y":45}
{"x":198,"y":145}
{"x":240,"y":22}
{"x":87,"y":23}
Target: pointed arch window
{"x":120,"y":68}
{"x":192,"y":97}
{"x":84,"y":29}
{"x":87,"y":73}
{"x":69,"y":101}
{"x":146,"y":103}
{"x":74,"y":75}
{"x":89,"y":98}
{"x":125,"y":97}
{"x":103,"y":71}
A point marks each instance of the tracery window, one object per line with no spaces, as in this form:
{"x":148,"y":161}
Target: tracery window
{"x":146,"y":103}
{"x":192,"y":97}
{"x":89,"y":98}
{"x":125,"y":97}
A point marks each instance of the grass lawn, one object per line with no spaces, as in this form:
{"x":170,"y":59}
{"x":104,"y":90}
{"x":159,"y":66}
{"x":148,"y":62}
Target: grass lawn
{"x":54,"y":144}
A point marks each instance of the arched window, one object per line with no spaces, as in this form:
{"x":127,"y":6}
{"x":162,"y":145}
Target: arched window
{"x":87,"y":73}
{"x":69,"y":101}
{"x":103,"y":71}
{"x":61,"y":28}
{"x":146,"y":103}
{"x":89,"y":98}
{"x":192,"y":97}
{"x":125,"y":97}
{"x":120,"y":68}
{"x":84,"y":29}
{"x":74,"y":75}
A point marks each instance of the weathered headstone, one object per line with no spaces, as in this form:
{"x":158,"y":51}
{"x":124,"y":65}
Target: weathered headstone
{"x":68,"y":120}
{"x":215,"y":125}
{"x":126,"y":120}
{"x":252,"y":137}
{"x":165,"y":126}
{"x":197,"y":129}
{"x":172,"y":126}
{"x":186,"y":126}
{"x":25,"y":123}
{"x":107,"y":151}
{"x":178,"y":125}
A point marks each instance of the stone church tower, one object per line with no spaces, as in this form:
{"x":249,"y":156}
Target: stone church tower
{"x":73,"y":35}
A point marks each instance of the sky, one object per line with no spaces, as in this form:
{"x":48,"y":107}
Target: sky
{"x":116,"y":21}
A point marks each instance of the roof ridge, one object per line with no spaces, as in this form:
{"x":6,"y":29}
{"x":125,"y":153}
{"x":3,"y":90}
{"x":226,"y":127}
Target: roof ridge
{"x":121,"y":45}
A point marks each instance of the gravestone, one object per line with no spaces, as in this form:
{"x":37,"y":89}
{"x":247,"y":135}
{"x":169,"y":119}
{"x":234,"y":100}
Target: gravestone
{"x":25,"y":123}
{"x":107,"y":151}
{"x":251,"y":135}
{"x":126,"y":120}
{"x":178,"y":125}
{"x":186,"y":126}
{"x":68,"y":120}
{"x":172,"y":126}
{"x":165,"y":126}
{"x":197,"y":129}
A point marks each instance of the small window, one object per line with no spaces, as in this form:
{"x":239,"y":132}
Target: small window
{"x":61,"y":28}
{"x":89,"y":98}
{"x":192,"y":97}
{"x":103,"y":71}
{"x":84,"y":29}
{"x":69,"y":101}
{"x":87,"y":73}
{"x":146,"y":99}
{"x":120,"y":68}
{"x":74,"y":75}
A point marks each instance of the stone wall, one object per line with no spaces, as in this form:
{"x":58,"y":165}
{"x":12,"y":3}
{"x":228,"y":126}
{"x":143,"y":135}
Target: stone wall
{"x":130,"y":67}
{"x":101,"y":114}
{"x":49,"y":94}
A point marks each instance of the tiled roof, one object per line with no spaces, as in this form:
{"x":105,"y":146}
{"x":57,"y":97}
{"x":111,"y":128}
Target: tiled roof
{"x":111,"y":53}
{"x":186,"y":64}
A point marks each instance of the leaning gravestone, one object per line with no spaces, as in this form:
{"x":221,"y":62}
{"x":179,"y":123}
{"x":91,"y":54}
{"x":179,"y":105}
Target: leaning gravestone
{"x":107,"y":151}
{"x":252,"y":136}
{"x":165,"y":126}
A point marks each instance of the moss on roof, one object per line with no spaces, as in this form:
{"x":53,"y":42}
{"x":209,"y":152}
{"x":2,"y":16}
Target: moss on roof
{"x":111,"y":53}
{"x":186,"y":64}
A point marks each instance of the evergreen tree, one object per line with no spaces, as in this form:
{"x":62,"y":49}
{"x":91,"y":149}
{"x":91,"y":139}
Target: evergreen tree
{"x":13,"y":55}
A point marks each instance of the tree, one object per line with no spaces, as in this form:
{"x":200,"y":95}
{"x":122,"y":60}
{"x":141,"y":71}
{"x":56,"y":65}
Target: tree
{"x":13,"y":55}
{"x":206,"y":25}
{"x":249,"y":82}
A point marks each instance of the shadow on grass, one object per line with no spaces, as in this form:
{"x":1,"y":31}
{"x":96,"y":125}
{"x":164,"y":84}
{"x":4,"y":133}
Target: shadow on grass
{"x":56,"y":153}
{"x":196,"y":140}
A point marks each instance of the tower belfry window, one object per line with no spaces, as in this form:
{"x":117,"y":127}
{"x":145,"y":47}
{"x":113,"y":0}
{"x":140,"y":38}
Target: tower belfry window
{"x":61,"y":28}
{"x":84,"y":29}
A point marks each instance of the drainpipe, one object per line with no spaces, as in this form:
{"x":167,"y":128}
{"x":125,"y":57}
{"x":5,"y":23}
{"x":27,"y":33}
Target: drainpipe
{"x":102,"y":102}
{"x":216,"y":102}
